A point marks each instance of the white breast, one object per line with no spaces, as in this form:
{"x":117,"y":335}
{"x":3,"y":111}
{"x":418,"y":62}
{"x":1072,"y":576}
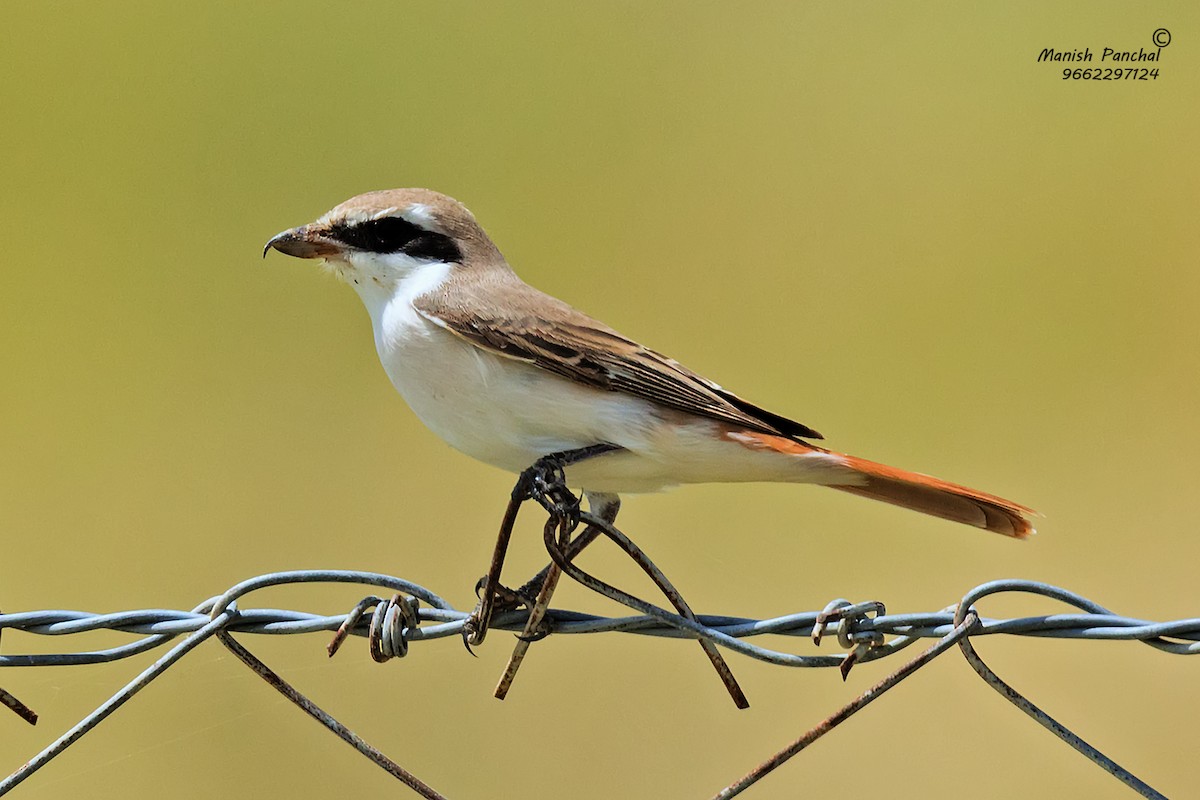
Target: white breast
{"x":498,"y":410}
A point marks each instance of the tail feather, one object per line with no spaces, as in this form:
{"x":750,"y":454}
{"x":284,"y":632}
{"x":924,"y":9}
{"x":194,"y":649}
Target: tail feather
{"x":900,"y":487}
{"x":938,"y":498}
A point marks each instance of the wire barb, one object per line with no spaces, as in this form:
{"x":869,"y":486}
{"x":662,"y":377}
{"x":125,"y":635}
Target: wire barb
{"x":849,"y":616}
{"x":415,"y":614}
{"x":389,"y":629}
{"x":957,"y":635}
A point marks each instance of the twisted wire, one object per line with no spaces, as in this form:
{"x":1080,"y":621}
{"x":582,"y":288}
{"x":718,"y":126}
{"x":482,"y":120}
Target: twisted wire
{"x":437,"y":619}
{"x":415,"y":614}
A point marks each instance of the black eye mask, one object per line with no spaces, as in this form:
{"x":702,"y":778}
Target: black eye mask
{"x":397,"y":235}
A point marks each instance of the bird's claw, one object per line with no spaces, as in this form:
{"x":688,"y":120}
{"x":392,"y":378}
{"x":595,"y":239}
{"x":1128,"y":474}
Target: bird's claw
{"x":546,"y":483}
{"x":503,"y":599}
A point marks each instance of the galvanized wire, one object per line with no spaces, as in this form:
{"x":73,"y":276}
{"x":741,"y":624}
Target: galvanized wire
{"x":439,"y":619}
{"x":417,"y":614}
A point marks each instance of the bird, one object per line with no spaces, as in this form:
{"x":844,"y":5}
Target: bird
{"x":510,"y":375}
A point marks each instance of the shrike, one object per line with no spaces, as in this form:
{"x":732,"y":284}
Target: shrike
{"x":508,"y":375}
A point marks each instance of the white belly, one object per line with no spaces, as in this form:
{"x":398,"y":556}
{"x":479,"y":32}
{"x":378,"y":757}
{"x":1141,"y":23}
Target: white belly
{"x":509,"y":413}
{"x":502,"y":411}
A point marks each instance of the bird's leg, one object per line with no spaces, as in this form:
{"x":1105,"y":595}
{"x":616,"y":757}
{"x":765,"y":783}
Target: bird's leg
{"x":545,"y":482}
{"x":604,"y":506}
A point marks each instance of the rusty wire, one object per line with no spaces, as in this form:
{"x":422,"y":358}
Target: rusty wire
{"x":415,"y":614}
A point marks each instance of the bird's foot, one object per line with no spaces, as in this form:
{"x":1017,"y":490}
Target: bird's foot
{"x":506,"y":599}
{"x":503,"y":599}
{"x":546,"y":483}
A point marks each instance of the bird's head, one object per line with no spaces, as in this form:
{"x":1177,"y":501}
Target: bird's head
{"x":383,"y":237}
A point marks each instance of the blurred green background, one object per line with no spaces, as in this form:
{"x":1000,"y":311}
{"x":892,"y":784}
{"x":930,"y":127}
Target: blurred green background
{"x":888,"y":221}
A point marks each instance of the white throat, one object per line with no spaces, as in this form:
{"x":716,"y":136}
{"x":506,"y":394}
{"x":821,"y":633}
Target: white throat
{"x":388,"y":289}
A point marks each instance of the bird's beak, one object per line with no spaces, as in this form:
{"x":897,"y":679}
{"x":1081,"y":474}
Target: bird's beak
{"x":307,"y":241}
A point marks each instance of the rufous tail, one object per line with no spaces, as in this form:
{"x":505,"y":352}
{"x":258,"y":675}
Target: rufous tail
{"x":900,"y":487}
{"x":939,"y":498}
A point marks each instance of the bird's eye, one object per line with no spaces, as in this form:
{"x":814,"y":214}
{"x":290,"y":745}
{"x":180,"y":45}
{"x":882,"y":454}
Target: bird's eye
{"x":397,"y":235}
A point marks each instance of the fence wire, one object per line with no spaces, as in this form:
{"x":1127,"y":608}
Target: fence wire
{"x":415,"y":614}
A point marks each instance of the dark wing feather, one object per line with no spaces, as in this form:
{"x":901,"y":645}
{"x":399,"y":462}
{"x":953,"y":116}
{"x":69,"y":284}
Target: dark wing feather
{"x":582,"y":349}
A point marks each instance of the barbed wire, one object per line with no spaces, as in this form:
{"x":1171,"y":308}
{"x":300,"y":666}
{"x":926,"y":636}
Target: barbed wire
{"x":415,"y":614}
{"x":1095,"y":623}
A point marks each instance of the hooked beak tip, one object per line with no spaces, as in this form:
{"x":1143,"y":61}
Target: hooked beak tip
{"x":276,"y":240}
{"x":302,"y":242}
